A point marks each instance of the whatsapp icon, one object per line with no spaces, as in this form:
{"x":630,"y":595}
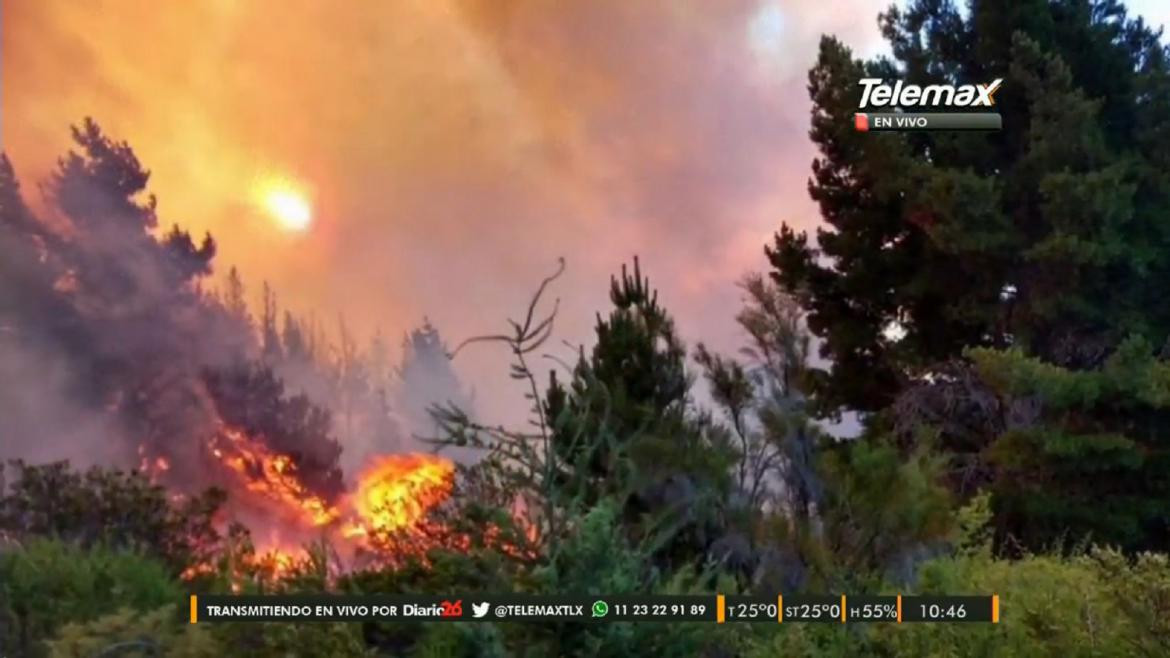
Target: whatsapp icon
{"x":600,"y":609}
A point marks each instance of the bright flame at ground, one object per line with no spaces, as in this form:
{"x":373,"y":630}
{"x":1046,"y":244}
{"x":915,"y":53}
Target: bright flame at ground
{"x":287,"y":205}
{"x":387,"y":515}
{"x":393,"y":494}
{"x":396,"y":492}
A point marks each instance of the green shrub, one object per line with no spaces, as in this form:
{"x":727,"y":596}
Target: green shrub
{"x":292,"y":639}
{"x":460,"y":641}
{"x":130,"y":634}
{"x":45,"y":584}
{"x":101,"y":506}
{"x":1101,"y":603}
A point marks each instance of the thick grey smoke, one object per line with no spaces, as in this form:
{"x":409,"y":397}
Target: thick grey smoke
{"x":453,"y":149}
{"x":111,"y":352}
{"x":105,"y":334}
{"x":379,"y":406}
{"x":106,"y":337}
{"x":41,"y":419}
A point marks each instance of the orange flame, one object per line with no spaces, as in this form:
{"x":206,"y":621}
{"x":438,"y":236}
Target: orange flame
{"x":272,"y":476}
{"x":397,"y":491}
{"x":393,"y":494}
{"x":153,"y":467}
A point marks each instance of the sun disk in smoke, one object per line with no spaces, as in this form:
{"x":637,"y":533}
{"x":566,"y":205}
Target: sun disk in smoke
{"x":287,"y":205}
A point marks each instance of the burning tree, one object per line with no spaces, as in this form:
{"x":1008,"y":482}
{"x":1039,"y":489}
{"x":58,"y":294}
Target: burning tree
{"x":114,"y":307}
{"x":165,"y":375}
{"x":250,"y":400}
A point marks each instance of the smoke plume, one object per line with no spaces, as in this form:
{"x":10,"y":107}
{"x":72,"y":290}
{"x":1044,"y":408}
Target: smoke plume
{"x":452,"y":149}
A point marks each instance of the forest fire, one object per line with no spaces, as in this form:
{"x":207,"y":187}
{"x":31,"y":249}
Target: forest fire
{"x":393,"y":494}
{"x":152,"y":466}
{"x":271,"y":476}
{"x":396,"y":492}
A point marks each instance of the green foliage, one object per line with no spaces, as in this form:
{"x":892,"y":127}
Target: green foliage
{"x":593,"y":560}
{"x":1101,"y":604}
{"x":293,"y":639}
{"x":516,"y":466}
{"x":763,"y":400}
{"x":1029,"y":255}
{"x":46,"y":583}
{"x":625,"y":427}
{"x":1092,"y":461}
{"x":1140,"y":588}
{"x":111,"y":507}
{"x":598,"y":559}
{"x":165,"y":632}
{"x":583,"y":539}
{"x":1047,"y":235}
{"x":593,"y":557}
{"x":880,"y":509}
{"x":460,"y":641}
{"x":442,"y":571}
{"x":129,"y":633}
{"x":1052,"y":606}
{"x":629,"y":400}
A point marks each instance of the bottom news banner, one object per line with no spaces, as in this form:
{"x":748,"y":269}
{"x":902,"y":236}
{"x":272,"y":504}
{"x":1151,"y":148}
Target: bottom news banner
{"x":716,"y":608}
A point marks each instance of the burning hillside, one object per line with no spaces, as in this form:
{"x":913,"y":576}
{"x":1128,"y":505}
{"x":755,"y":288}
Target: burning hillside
{"x":393,"y":495}
{"x":275,"y":456}
{"x":128,"y":360}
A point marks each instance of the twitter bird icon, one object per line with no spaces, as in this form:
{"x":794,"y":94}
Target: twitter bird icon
{"x":479,"y":609}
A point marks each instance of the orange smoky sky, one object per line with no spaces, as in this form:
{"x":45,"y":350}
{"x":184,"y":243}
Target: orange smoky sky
{"x":452,"y":150}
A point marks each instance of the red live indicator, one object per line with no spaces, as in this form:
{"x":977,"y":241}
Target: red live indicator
{"x":861,"y":122}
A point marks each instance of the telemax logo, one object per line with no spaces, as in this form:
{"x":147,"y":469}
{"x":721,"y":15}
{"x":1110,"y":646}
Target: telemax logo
{"x":877,"y":93}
